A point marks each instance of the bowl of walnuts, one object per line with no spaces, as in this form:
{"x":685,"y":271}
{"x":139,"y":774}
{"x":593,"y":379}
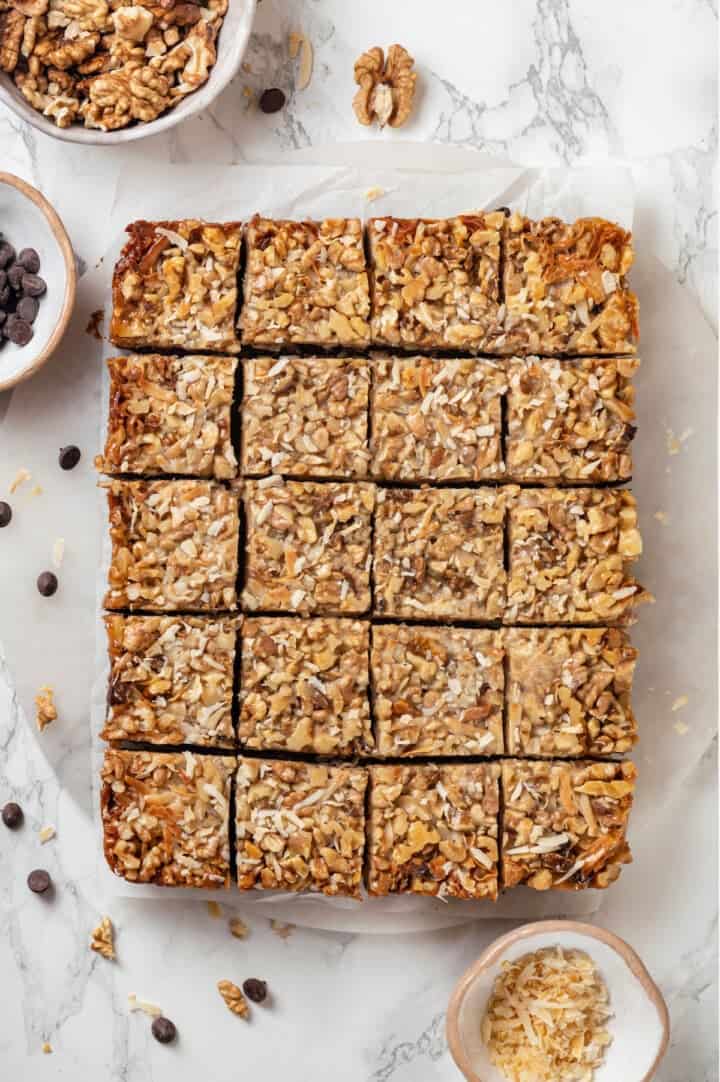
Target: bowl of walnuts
{"x":109,"y":71}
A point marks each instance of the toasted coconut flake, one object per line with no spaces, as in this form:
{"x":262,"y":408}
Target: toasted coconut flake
{"x":46,"y":834}
{"x":679,"y":703}
{"x":58,"y":551}
{"x":136,"y":1004}
{"x":238,"y":928}
{"x":21,"y":476}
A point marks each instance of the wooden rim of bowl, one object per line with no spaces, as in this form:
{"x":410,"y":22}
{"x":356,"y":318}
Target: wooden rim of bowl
{"x":60,"y":234}
{"x":527,"y":931}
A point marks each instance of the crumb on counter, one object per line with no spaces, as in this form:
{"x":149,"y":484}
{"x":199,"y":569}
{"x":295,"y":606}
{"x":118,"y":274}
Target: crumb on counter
{"x":103,"y":943}
{"x":46,"y":709}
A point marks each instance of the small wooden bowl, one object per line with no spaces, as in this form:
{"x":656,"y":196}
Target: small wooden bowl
{"x":640,"y":1027}
{"x":28,"y":221}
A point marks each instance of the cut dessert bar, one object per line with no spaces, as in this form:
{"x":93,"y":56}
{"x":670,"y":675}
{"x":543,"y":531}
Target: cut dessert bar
{"x":305,"y":283}
{"x":570,"y":552}
{"x":171,"y":679}
{"x":300,"y":826}
{"x":304,"y":685}
{"x":565,"y":288}
{"x":437,"y":690}
{"x":305,"y":417}
{"x":568,"y":691}
{"x":435,"y":283}
{"x":175,"y":285}
{"x":438,"y":553}
{"x":165,"y":817}
{"x":170,"y":415}
{"x":174,"y":546}
{"x":437,"y":420}
{"x":564,"y":824}
{"x":434,"y":830}
{"x":308,"y":546}
{"x":570,"y":420}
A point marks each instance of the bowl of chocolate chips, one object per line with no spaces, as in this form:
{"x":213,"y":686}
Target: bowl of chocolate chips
{"x":37,"y":280}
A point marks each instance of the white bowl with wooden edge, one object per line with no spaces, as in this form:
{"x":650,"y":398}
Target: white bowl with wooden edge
{"x":640,"y":1026}
{"x":27,"y":220}
{"x":231,"y":44}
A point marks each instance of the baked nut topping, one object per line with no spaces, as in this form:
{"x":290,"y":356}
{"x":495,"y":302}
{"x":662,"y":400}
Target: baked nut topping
{"x":170,"y":415}
{"x":171,"y":679}
{"x":435,"y":282}
{"x":165,"y":817}
{"x":565,"y":288}
{"x":570,"y":420}
{"x":438,"y":553}
{"x":308,"y":546}
{"x":304,"y":686}
{"x":570,"y":551}
{"x":305,"y":283}
{"x":300,"y":826}
{"x":434,"y":830}
{"x":437,"y":690}
{"x":387,"y":87}
{"x":568,"y":692}
{"x":174,"y":546}
{"x":305,"y":417}
{"x":564,"y":823}
{"x":175,"y":285}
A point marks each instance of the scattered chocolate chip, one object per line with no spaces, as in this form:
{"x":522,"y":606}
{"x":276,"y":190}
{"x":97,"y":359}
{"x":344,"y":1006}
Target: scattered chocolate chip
{"x":27,"y":309}
{"x":163,"y":1030}
{"x":272,"y":101}
{"x":19,"y":330}
{"x":47,"y":583}
{"x":255,"y":989}
{"x":69,"y":457}
{"x":30,"y":260}
{"x":39,"y":881}
{"x":33,"y":285}
{"x":5,"y":513}
{"x":7,"y":253}
{"x":12,"y":815}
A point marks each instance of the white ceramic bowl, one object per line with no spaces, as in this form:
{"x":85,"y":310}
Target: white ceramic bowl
{"x":231,"y":44}
{"x":640,"y":1026}
{"x":28,"y":221}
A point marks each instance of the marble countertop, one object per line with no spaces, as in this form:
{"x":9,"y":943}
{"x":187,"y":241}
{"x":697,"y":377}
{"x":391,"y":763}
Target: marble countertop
{"x":536,"y":81}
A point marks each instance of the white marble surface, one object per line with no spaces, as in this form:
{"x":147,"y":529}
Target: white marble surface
{"x":550,"y":81}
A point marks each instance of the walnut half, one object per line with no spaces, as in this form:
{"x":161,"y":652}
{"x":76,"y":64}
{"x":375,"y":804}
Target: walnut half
{"x":387,"y":86}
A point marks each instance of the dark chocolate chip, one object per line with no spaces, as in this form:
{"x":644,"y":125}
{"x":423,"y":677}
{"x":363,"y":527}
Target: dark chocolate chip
{"x":5,"y":513}
{"x":30,"y":260}
{"x":27,"y":309}
{"x":503,"y":210}
{"x":163,"y":1030}
{"x":12,"y":815}
{"x":272,"y":101}
{"x":7,"y":253}
{"x":39,"y":881}
{"x":255,"y":989}
{"x":19,"y":331}
{"x":69,"y":457}
{"x":33,"y":285}
{"x":15,"y":274}
{"x":47,"y":583}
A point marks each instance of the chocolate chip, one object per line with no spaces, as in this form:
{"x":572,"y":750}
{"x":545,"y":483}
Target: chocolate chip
{"x":255,"y":989}
{"x":7,"y":253}
{"x":39,"y":881}
{"x":27,"y":309}
{"x":272,"y":101}
{"x":5,"y":513}
{"x":12,"y":815}
{"x":5,"y":294}
{"x":30,"y":260}
{"x":503,"y":210}
{"x":15,"y":275}
{"x":19,"y":331}
{"x":69,"y":457}
{"x":163,"y":1030}
{"x":33,"y":285}
{"x":47,"y":583}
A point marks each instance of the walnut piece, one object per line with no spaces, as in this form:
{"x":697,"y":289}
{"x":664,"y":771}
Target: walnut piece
{"x":387,"y":87}
{"x":46,"y":710}
{"x":118,"y":97}
{"x":102,"y":939}
{"x":12,"y":26}
{"x":234,"y":998}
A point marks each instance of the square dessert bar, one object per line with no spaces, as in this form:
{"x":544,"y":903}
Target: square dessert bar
{"x":435,"y":283}
{"x":305,"y":417}
{"x":434,"y":830}
{"x":306,"y":283}
{"x":568,"y":692}
{"x":300,"y":826}
{"x":436,"y":420}
{"x":570,"y":420}
{"x":174,"y":546}
{"x":175,"y":285}
{"x":438,"y":553}
{"x":170,"y":415}
{"x":165,"y":817}
{"x":564,"y":824}
{"x":437,"y":690}
{"x":171,"y":679}
{"x":570,"y":552}
{"x":565,"y":289}
{"x":304,"y":685}
{"x":308,"y":546}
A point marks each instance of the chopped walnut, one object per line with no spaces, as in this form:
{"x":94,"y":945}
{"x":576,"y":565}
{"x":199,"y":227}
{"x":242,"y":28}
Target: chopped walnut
{"x":132,"y":22}
{"x":103,"y":939}
{"x":387,"y":87}
{"x":234,"y":998}
{"x":12,"y":26}
{"x":119,"y":97}
{"x":46,"y":710}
